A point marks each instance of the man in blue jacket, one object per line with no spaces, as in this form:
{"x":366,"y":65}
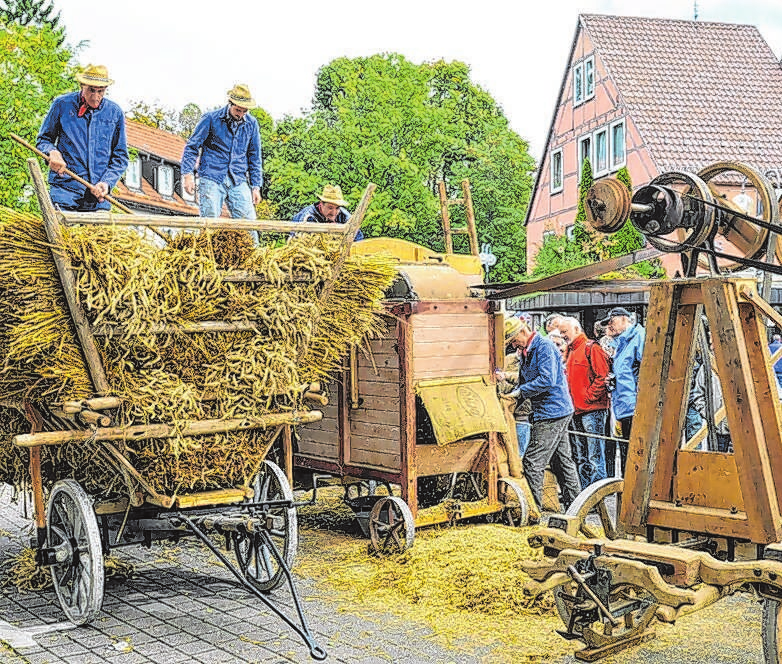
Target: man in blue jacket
{"x":85,"y":133}
{"x":227,"y":145}
{"x":630,"y":338}
{"x":330,"y":209}
{"x":542,"y":381}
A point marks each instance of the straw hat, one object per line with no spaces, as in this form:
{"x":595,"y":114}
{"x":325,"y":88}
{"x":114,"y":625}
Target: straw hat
{"x":513,"y":326}
{"x":332,"y":194}
{"x":240,"y":95}
{"x":95,"y":75}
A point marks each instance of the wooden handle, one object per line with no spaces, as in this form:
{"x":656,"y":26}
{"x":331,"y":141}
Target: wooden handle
{"x":318,"y":398}
{"x":91,"y":417}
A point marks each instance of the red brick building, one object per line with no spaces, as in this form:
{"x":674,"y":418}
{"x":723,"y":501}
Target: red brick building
{"x":656,"y":95}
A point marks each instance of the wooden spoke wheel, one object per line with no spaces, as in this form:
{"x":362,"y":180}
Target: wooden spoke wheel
{"x":72,"y":532}
{"x":253,"y":553}
{"x":599,"y":505}
{"x":515,"y":508}
{"x":634,"y":606}
{"x":391,"y":526}
{"x":735,"y":235}
{"x":770,"y":631}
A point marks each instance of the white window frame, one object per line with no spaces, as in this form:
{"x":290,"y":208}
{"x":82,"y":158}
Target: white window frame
{"x":557,"y":158}
{"x":164,"y":168}
{"x":597,"y":171}
{"x":589,"y":77}
{"x":578,"y":84}
{"x":133,"y":169}
{"x":549,"y":233}
{"x":580,"y":153}
{"x":616,"y":165}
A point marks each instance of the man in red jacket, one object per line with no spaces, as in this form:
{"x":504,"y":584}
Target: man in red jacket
{"x":587,"y":368}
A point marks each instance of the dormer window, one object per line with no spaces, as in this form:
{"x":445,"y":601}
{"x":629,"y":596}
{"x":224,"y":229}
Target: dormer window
{"x":164,"y":180}
{"x":584,"y":80}
{"x":133,"y":174}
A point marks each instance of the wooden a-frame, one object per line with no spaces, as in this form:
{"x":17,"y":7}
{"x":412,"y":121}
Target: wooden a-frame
{"x":670,"y":487}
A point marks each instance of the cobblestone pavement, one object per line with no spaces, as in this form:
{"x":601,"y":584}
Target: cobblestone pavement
{"x":183,"y":606}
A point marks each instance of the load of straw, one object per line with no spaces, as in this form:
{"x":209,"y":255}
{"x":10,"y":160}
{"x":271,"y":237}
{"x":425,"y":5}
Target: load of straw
{"x":133,"y":290}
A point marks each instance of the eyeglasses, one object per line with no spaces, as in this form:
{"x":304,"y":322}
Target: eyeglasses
{"x":95,"y":91}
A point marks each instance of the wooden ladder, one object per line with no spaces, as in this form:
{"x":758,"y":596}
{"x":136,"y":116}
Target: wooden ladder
{"x":469,"y":229}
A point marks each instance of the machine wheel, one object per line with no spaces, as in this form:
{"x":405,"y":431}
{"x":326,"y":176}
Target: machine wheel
{"x":772,"y":643}
{"x":515,"y":509}
{"x":605,"y":498}
{"x":256,"y":560}
{"x":391,"y":526}
{"x":72,"y":531}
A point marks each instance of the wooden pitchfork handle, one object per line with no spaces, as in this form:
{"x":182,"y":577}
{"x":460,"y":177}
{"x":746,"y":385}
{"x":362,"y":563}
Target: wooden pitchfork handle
{"x":70,"y":173}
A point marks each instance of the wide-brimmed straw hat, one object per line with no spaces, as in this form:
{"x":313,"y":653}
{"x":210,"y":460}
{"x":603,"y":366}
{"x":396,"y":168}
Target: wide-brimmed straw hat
{"x":333,"y":194}
{"x":95,"y":75}
{"x":513,"y":326}
{"x":240,"y":95}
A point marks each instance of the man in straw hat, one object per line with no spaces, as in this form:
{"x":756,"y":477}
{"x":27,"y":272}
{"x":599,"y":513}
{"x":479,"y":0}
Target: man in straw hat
{"x":329,"y":209}
{"x":542,"y":381}
{"x":85,"y":133}
{"x":226,"y":144}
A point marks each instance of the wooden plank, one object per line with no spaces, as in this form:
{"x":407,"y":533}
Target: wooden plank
{"x":446,"y":307}
{"x":375,"y":415}
{"x":438,"y":334}
{"x":380,"y":374}
{"x":217,"y":497}
{"x":407,"y":416}
{"x":472,"y":320}
{"x":311,"y":448}
{"x":51,"y":225}
{"x":707,"y":479}
{"x":676,"y":391}
{"x":455,"y":457}
{"x":452,"y":367}
{"x":645,"y":436}
{"x":732,"y":350}
{"x":317,"y":436}
{"x":448,"y":348}
{"x":374,"y":459}
{"x":386,"y":390}
{"x":388,"y":432}
{"x":694,"y":519}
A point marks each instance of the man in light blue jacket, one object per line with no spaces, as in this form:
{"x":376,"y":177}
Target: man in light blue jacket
{"x":626,"y":364}
{"x":85,"y":133}
{"x":542,"y":381}
{"x":226,"y":143}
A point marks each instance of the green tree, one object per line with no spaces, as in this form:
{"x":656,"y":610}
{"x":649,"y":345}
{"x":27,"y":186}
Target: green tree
{"x":35,"y":69}
{"x":405,"y":127}
{"x":33,"y":13}
{"x":153,"y":115}
{"x":188,"y":119}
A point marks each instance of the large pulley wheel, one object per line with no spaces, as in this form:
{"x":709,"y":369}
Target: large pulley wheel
{"x":391,"y":526}
{"x":735,"y":235}
{"x":255,"y":554}
{"x":599,"y":506}
{"x":607,"y":205}
{"x":770,"y":631}
{"x":73,"y":536}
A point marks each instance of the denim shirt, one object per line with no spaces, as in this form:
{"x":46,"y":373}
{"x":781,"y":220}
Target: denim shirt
{"x":312,"y":214}
{"x":542,"y":380}
{"x":223,"y":152}
{"x":93,"y":146}
{"x":626,"y":366}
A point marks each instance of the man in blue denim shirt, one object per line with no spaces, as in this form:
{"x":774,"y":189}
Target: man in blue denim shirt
{"x":542,"y":381}
{"x":229,"y":167}
{"x":84,"y":133}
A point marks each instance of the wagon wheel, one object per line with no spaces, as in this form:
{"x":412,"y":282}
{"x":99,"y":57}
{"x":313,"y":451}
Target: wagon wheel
{"x":515,"y":508}
{"x":254,"y":555}
{"x":605,"y":498}
{"x":635,"y":605}
{"x":770,"y":631}
{"x":742,"y":237}
{"x":391,"y":526}
{"x":72,"y":532}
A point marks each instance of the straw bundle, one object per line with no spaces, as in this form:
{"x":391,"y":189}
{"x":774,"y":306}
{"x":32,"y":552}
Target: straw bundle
{"x":133,"y":289}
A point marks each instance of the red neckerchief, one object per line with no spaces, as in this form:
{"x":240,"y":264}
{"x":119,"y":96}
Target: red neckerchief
{"x":83,"y":108}
{"x":525,"y":350}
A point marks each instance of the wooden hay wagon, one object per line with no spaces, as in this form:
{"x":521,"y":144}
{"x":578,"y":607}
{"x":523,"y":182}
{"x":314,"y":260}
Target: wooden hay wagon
{"x":419,"y":414}
{"x":257,"y":517}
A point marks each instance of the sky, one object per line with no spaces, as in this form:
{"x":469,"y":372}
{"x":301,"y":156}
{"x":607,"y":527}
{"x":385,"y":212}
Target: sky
{"x":173,"y":52}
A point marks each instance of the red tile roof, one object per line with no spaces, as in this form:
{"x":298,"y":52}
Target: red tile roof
{"x":155,"y":141}
{"x":698,"y":92}
{"x":149,"y":196}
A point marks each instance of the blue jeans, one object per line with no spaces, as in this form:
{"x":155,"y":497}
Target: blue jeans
{"x":549,"y":445}
{"x":522,"y":433}
{"x":212,"y":195}
{"x":692,"y":423}
{"x":589,"y":453}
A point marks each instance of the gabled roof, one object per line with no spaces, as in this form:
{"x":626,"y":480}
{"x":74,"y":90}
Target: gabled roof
{"x":155,"y":141}
{"x":697,"y":92}
{"x":150,"y":198}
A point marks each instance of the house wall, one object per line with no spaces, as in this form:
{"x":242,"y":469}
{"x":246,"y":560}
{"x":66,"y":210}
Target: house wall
{"x":554,"y":212}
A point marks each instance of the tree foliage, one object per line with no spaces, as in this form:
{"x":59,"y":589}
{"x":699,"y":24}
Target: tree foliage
{"x":403,"y":126}
{"x":33,"y":13}
{"x":35,"y":69}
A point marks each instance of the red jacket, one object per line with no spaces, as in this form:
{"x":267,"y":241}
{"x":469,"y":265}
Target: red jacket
{"x":587,"y":368}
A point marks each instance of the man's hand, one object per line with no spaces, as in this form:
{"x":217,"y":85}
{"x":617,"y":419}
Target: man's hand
{"x":56,"y":162}
{"x":256,"y":195}
{"x":99,"y":190}
{"x":188,"y":182}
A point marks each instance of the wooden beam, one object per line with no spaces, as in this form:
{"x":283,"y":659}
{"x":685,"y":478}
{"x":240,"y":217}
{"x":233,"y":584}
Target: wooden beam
{"x":204,"y":327}
{"x":51,"y":224}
